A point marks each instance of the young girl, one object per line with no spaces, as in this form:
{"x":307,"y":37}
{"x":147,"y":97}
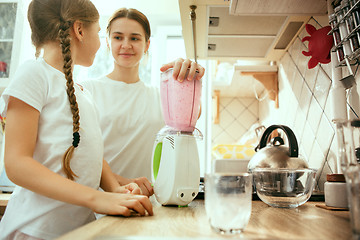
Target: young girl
{"x":54,"y":147}
{"x":130,"y":112}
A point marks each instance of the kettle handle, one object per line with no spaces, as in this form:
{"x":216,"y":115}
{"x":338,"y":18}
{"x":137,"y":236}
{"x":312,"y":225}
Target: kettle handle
{"x":293,"y":145}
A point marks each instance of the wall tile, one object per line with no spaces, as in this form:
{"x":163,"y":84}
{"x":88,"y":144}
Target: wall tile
{"x":305,"y":98}
{"x":295,"y":49}
{"x":223,"y":138}
{"x":321,"y":177}
{"x":224,"y":101}
{"x":317,"y":158}
{"x":254,"y":107}
{"x":290,"y":71}
{"x":292,"y":108}
{"x":327,"y":69}
{"x":302,"y":61}
{"x":248,"y":119}
{"x":310,"y":77}
{"x":216,"y":130}
{"x":226,"y":118}
{"x":322,"y":88}
{"x":297,"y":85}
{"x":329,"y":108}
{"x":235,"y":107}
{"x":303,"y":34}
{"x":307,"y":138}
{"x":325,"y":134}
{"x":285,"y":60}
{"x":314,"y":115}
{"x":237,"y":115}
{"x":299,"y":125}
{"x":236,"y":130}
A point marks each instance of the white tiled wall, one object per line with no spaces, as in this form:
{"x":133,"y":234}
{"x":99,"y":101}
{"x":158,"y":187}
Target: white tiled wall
{"x":237,"y":115}
{"x":304,"y":106}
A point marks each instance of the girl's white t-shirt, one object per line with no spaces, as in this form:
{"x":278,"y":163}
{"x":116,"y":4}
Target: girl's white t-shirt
{"x":44,"y":88}
{"x":130,"y":118}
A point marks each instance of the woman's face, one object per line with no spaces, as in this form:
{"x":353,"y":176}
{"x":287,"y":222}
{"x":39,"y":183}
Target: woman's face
{"x":127,"y":42}
{"x":90,"y":45}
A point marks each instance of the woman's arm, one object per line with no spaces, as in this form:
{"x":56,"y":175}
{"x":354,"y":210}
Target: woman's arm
{"x":23,"y":170}
{"x":109,"y":182}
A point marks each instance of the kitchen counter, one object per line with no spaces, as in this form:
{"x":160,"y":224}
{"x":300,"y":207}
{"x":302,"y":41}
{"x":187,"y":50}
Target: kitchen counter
{"x":304,"y":222}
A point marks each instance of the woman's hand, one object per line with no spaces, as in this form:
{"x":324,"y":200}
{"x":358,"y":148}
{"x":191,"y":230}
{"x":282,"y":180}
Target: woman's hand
{"x":180,"y":67}
{"x":120,"y":204}
{"x":142,"y":182}
{"x":145,"y":185}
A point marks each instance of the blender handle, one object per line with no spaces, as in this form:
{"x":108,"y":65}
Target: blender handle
{"x":293,"y":145}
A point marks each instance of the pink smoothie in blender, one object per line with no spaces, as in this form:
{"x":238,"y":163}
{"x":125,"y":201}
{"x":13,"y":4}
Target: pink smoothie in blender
{"x":180,"y":101}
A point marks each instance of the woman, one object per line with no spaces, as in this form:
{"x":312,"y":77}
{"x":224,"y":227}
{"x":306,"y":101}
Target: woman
{"x":130,"y":112}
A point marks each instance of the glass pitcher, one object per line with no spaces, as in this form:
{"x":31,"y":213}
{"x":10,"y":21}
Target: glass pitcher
{"x":348,"y":136}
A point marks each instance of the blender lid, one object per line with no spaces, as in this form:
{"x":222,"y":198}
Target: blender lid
{"x":167,"y":130}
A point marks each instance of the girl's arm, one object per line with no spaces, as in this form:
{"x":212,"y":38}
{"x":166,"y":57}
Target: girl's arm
{"x":23,"y":170}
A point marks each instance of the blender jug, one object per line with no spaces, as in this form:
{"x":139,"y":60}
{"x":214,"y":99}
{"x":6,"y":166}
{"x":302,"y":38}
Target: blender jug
{"x":180,"y":101}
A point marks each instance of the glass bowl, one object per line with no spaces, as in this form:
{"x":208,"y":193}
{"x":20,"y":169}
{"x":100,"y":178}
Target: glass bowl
{"x":284,"y":188}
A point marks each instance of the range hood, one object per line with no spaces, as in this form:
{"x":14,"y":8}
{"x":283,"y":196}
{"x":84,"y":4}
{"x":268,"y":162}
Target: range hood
{"x":232,"y":30}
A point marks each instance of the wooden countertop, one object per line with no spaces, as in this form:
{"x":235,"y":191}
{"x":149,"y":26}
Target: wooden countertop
{"x":304,"y":222}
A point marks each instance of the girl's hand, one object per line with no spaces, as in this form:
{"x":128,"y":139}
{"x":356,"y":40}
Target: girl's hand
{"x":132,"y":188}
{"x":180,"y":67}
{"x":120,"y":204}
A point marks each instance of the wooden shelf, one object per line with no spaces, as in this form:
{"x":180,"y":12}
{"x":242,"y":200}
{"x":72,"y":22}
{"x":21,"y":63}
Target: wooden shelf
{"x":270,"y":82}
{"x":216,"y":106}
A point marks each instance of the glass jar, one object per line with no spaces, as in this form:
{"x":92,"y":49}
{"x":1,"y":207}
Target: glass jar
{"x":350,"y":25}
{"x":355,"y":12}
{"x":335,"y":191}
{"x":336,"y":36}
{"x":343,"y":31}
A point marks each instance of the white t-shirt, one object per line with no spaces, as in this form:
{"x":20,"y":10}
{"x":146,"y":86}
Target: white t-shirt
{"x":44,"y":88}
{"x":130,"y":118}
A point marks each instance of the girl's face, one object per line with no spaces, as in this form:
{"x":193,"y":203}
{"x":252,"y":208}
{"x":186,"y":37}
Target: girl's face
{"x":90,"y":45}
{"x":127,"y":42}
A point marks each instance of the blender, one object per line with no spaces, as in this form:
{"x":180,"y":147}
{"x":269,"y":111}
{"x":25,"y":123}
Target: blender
{"x":175,"y":164}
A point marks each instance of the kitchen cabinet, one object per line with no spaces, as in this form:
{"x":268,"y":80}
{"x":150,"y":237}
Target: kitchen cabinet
{"x":279,"y":7}
{"x":223,"y":32}
{"x":10,"y":39}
